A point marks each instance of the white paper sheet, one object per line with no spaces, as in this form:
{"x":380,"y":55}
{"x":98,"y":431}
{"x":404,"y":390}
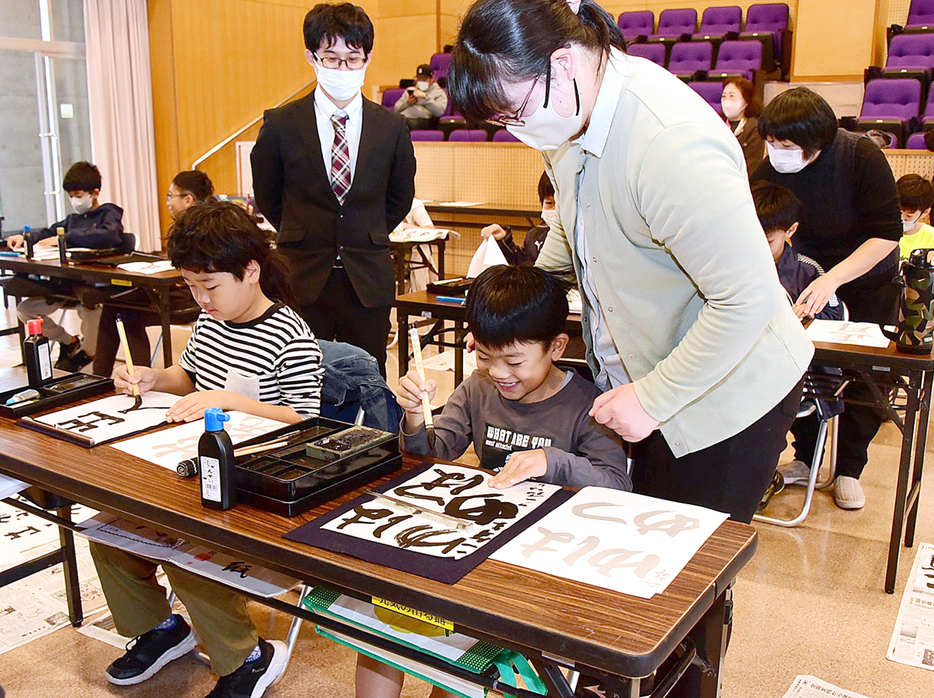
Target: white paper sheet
{"x":420,"y":234}
{"x":626,"y":542}
{"x":130,"y":536}
{"x":232,"y":572}
{"x":912,"y":640}
{"x":10,"y":486}
{"x":487,"y":255}
{"x":147,"y":267}
{"x":169,"y":446}
{"x":862,"y":334}
{"x":108,"y":418}
{"x":813,"y":687}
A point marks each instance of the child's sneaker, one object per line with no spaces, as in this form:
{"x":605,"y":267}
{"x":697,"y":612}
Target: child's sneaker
{"x":151,"y":651}
{"x":775,"y":486}
{"x":71,"y":357}
{"x":253,"y":678}
{"x":795,"y":473}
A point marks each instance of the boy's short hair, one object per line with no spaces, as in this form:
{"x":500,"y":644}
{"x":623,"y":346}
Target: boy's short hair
{"x":194,"y":182}
{"x":346,"y":21}
{"x":915,"y":193}
{"x":776,"y":206}
{"x":801,"y":116}
{"x":545,"y":188}
{"x":82,"y":176}
{"x":509,"y":304}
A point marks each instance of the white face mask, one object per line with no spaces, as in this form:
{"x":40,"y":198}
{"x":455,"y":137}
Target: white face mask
{"x":550,"y":216}
{"x":908,"y":225}
{"x":732,"y":109}
{"x":546,"y":129}
{"x":81,"y":204}
{"x":342,"y":85}
{"x":789,"y":160}
{"x":422,"y":85}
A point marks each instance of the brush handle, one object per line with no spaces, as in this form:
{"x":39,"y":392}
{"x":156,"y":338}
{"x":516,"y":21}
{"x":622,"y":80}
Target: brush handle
{"x":415,"y":341}
{"x":131,"y":369}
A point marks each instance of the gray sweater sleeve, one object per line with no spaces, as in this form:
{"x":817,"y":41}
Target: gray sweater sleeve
{"x":601,"y":463}
{"x":452,"y":429}
{"x":435,"y":100}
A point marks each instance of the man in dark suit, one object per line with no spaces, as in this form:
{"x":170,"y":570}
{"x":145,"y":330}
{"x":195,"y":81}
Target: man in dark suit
{"x":334,"y":173}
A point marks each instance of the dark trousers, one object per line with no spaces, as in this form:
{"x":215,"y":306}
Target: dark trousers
{"x":108,"y":341}
{"x":730,"y":476}
{"x":873,"y":300}
{"x":338,"y":315}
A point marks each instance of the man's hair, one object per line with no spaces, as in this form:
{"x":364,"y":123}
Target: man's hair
{"x":194,"y":182}
{"x":748,"y":91}
{"x":508,"y":304}
{"x":801,"y":116}
{"x":777,"y":207}
{"x":328,"y":23}
{"x":222,"y":236}
{"x":82,"y":176}
{"x":545,"y":187}
{"x":915,"y":193}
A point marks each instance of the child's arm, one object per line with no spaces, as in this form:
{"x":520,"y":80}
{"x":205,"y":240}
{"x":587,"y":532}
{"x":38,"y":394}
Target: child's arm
{"x":452,"y":426}
{"x":193,"y":405}
{"x":173,"y":380}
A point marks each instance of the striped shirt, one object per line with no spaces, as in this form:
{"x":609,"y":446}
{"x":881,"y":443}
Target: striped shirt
{"x":274,"y":359}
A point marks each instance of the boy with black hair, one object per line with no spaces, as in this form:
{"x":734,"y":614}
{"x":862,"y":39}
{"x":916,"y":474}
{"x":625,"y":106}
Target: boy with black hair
{"x":535,"y":237}
{"x":188,"y":188}
{"x":93,"y":225}
{"x":915,"y":196}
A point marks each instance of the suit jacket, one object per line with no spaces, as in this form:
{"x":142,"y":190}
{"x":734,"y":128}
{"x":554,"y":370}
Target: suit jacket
{"x":294,"y":192}
{"x":679,"y":261}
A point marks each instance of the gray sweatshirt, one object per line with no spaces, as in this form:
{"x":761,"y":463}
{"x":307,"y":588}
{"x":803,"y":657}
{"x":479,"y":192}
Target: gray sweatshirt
{"x":580,"y":451}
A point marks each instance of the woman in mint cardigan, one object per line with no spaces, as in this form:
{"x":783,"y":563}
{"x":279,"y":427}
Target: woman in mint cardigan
{"x":687,"y":326}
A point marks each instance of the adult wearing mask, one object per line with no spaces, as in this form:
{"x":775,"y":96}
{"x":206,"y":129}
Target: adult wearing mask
{"x":334,"y":173}
{"x":850,"y":224}
{"x":687,"y":326}
{"x":422,"y":104}
{"x":741,"y":109}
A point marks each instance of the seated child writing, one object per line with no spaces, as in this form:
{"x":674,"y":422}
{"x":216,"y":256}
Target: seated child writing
{"x":249,"y":352}
{"x":915,"y":196}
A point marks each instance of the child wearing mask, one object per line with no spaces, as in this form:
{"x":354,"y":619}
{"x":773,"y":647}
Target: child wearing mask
{"x":915,"y":195}
{"x":535,"y":238}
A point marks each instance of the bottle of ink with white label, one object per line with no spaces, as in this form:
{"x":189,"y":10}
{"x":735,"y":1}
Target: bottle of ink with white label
{"x":216,"y":461}
{"x":37,"y":354}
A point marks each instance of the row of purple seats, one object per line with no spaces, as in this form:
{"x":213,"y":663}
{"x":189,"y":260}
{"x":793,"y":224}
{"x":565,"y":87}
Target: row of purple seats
{"x":911,"y":55}
{"x":920,"y":16}
{"x":464,"y":135}
{"x":894,"y":105}
{"x":696,"y":58}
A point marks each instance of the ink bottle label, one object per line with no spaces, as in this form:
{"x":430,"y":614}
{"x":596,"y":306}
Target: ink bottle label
{"x":211,"y":478}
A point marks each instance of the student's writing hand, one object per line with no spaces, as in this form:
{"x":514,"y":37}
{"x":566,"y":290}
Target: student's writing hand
{"x":14,"y":242}
{"x":410,"y":397}
{"x":497,"y":232}
{"x":817,"y":294}
{"x":620,"y":410}
{"x":193,"y":405}
{"x":48,"y":242}
{"x":143,"y":376}
{"x":520,"y":466}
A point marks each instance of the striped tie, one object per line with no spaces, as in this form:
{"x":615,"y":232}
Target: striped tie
{"x":340,"y":158}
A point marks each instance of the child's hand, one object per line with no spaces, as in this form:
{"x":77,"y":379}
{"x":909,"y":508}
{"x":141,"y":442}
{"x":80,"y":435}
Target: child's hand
{"x":800,"y":310}
{"x":14,"y":242}
{"x":520,"y":466}
{"x":144,"y":377}
{"x":48,"y":242}
{"x":495,"y":231}
{"x":410,"y":396}
{"x":193,"y":405}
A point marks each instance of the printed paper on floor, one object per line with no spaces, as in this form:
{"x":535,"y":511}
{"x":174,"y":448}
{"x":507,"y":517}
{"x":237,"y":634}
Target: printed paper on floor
{"x":813,"y":687}
{"x":913,"y":638}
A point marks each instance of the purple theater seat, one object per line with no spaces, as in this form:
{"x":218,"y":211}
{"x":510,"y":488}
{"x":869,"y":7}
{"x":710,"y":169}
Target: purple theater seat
{"x":910,"y":53}
{"x":769,"y":18}
{"x":891,"y":99}
{"x":927,"y":117}
{"x":674,"y":23}
{"x":468,"y":135}
{"x":390,"y":97}
{"x":427,"y":135}
{"x":636,"y":24}
{"x":916,"y":141}
{"x":717,"y":22}
{"x":738,"y":58}
{"x":504,"y":136}
{"x":689,"y":57}
{"x":921,"y":15}
{"x":654,"y":52}
{"x":440,"y":62}
{"x":711,"y":92}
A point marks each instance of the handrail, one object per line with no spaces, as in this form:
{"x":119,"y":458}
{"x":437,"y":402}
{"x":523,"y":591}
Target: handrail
{"x":230,"y":138}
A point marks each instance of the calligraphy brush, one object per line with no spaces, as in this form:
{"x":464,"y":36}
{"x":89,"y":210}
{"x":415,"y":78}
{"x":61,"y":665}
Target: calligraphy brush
{"x":415,"y":340}
{"x":138,"y":399}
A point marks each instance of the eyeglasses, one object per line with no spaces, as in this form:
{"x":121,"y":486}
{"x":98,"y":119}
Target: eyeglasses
{"x":515,"y":119}
{"x":334,"y":63}
{"x":170,"y":196}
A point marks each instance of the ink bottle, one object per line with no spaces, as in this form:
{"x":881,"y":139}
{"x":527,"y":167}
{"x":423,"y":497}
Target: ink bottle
{"x":27,"y":238}
{"x":37,"y":354}
{"x":62,"y":247}
{"x":216,"y":461}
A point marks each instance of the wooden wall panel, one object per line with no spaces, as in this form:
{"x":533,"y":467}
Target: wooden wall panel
{"x":842,"y":53}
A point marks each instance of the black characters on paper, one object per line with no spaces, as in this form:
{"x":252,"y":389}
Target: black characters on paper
{"x":90,"y":421}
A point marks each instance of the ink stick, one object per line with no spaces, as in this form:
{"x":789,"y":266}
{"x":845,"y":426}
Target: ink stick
{"x":216,"y":461}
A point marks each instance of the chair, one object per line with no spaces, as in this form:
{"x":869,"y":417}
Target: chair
{"x":920,"y":16}
{"x":916,"y":141}
{"x":468,"y":135}
{"x":353,"y":389}
{"x":711,"y":92}
{"x":636,"y":26}
{"x":674,"y":24}
{"x":910,"y":55}
{"x":440,"y":63}
{"x":391,"y":96}
{"x":889,"y":105}
{"x":653,"y":52}
{"x":769,"y":19}
{"x":504,"y":136}
{"x":720,"y":23}
{"x":742,"y":58}
{"x":927,"y":116}
{"x":427,"y":135}
{"x":691,"y":59}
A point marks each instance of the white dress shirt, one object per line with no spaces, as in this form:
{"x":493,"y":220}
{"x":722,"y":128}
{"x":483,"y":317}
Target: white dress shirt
{"x":324,"y":109}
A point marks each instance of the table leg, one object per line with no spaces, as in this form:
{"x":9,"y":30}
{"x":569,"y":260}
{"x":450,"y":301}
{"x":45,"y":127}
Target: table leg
{"x":920,"y":447}
{"x":441,"y":244}
{"x":551,"y":676}
{"x":165,"y":312}
{"x":70,"y":568}
{"x":904,"y":475}
{"x":458,"y":353}
{"x":402,"y":327}
{"x":711,"y":637}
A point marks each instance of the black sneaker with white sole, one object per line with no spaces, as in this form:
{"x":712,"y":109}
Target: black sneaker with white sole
{"x":151,"y":651}
{"x":253,"y":678}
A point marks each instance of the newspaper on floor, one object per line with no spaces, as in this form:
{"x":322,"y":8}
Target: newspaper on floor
{"x":813,"y":687}
{"x":913,"y":638}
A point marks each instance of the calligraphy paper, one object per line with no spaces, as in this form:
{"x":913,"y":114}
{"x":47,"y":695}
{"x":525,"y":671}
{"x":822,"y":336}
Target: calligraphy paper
{"x":130,"y":536}
{"x":169,"y":446}
{"x":376,"y":531}
{"x":862,"y":334}
{"x":111,"y":417}
{"x":487,"y":255}
{"x":625,"y":542}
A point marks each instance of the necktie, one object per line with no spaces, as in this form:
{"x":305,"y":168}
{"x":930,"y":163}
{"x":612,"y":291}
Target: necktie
{"x":340,"y":158}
